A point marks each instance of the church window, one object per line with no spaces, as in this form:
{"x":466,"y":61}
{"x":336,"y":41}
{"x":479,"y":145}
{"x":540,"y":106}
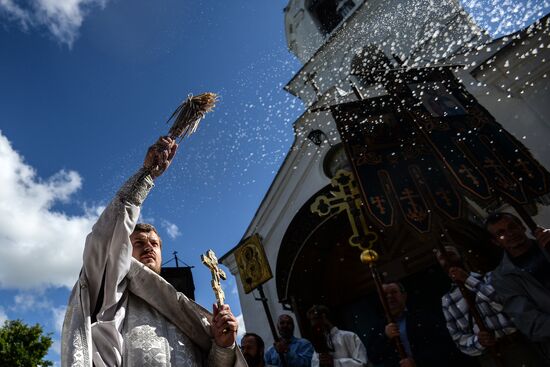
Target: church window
{"x":329,"y":13}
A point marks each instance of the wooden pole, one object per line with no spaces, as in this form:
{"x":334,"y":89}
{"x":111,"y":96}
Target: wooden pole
{"x":370,"y":257}
{"x":276,"y":338}
{"x":389,"y":318}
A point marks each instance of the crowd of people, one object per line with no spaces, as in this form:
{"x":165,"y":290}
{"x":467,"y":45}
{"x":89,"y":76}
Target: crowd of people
{"x":122,"y":313}
{"x":331,"y":346}
{"x":497,"y":319}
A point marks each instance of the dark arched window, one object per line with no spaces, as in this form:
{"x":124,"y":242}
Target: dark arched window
{"x":329,"y":13}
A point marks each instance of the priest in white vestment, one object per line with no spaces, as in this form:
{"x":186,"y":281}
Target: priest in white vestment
{"x":338,"y":348}
{"x":121,"y":312}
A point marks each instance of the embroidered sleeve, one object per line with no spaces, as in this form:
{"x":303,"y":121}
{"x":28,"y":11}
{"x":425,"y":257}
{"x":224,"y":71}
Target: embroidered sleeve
{"x":221,"y":357}
{"x":136,"y":189}
{"x":108,"y":250}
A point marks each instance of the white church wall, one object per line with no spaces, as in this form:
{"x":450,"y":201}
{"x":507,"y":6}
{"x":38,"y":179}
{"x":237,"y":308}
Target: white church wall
{"x":286,"y":196}
{"x":302,"y":34}
{"x":514,"y":86}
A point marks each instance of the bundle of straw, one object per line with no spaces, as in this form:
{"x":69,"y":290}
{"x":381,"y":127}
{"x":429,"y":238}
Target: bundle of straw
{"x":189,"y":113}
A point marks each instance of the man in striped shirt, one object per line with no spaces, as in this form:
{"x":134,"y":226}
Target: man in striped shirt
{"x":512,"y":348}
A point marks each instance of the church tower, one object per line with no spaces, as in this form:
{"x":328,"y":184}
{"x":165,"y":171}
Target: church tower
{"x":326,"y":35}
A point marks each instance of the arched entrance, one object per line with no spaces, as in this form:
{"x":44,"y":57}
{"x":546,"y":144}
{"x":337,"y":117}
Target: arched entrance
{"x":316,"y":265}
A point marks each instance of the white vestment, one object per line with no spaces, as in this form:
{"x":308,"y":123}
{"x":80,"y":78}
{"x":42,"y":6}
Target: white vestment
{"x":121,"y":313}
{"x":349,"y":350}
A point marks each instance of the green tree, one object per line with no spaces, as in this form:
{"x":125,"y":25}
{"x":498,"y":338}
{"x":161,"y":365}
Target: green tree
{"x":22,"y":345}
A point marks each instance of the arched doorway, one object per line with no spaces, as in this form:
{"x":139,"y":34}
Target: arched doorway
{"x":316,"y":265}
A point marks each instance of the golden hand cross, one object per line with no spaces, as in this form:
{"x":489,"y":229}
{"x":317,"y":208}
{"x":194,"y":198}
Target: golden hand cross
{"x":210,"y":260}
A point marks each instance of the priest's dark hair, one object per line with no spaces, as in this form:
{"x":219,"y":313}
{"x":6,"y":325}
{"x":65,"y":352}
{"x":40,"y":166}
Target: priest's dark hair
{"x":399,"y":285}
{"x":146,"y":227}
{"x":495,"y":217}
{"x":316,"y":310}
{"x":259,"y":341}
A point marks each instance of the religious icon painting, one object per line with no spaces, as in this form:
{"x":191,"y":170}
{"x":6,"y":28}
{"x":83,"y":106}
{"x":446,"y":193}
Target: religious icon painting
{"x":437,"y":99}
{"x":252,"y":262}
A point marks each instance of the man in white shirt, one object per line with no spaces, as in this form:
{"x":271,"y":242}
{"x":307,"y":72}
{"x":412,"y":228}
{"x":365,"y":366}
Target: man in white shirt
{"x":121,"y":312}
{"x":334,"y":347}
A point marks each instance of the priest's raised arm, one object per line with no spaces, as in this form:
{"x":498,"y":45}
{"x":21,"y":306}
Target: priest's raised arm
{"x":121,"y":312}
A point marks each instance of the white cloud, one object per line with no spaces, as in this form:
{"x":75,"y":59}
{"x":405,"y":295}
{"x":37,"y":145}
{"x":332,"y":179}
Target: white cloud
{"x":241,"y":329}
{"x":15,"y":12}
{"x":25,"y":301}
{"x":58,"y":317}
{"x":144,"y":219}
{"x":56,"y":348}
{"x":172,"y":229}
{"x":3,"y":316}
{"x":44,"y":246}
{"x":62,"y":18}
{"x":58,"y":314}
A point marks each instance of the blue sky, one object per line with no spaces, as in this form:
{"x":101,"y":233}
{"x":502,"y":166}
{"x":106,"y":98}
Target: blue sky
{"x":78,"y":117}
{"x":85,"y":88}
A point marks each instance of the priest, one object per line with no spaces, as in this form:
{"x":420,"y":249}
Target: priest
{"x":121,"y":312}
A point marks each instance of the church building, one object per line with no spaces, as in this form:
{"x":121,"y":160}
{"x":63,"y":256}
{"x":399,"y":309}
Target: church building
{"x":308,"y":219}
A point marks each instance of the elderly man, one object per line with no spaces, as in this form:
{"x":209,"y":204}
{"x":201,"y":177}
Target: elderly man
{"x":422,"y":332}
{"x":337,"y":348}
{"x":252,"y":346}
{"x":522,"y":278}
{"x":121,"y":312}
{"x":297,"y":352}
{"x":512,"y":348}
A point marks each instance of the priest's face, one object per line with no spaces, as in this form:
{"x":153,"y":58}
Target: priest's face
{"x":397,"y":300}
{"x":252,"y":352}
{"x":318,"y":321}
{"x":509,"y":234}
{"x":451,"y":257}
{"x":285,"y":325}
{"x":147,"y":249}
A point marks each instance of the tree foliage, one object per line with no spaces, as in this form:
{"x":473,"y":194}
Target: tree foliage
{"x":22,"y":345}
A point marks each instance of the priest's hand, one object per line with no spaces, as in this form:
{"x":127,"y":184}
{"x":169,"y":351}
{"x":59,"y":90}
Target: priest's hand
{"x":458,"y":275}
{"x":281,"y":346}
{"x":486,"y":339}
{"x":160,"y":155}
{"x":224,"y":320}
{"x":407,"y":362}
{"x":392,"y":330}
{"x":543,"y":237}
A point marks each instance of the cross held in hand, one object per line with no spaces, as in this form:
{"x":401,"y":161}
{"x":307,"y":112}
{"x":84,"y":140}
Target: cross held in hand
{"x":210,"y":260}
